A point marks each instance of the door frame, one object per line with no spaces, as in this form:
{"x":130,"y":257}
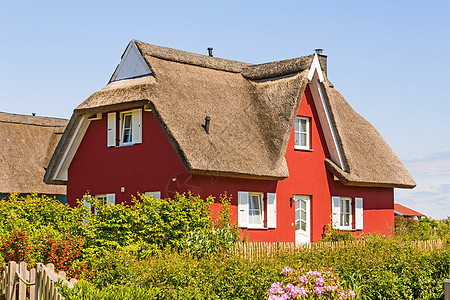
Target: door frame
{"x":307,"y":238}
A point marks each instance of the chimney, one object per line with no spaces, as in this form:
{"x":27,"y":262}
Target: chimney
{"x":323,"y":59}
{"x":206,"y":125}
{"x":210,"y":49}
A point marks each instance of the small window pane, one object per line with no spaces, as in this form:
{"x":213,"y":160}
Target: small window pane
{"x":303,"y":226}
{"x":297,"y":138}
{"x":303,"y":204}
{"x":303,"y":141}
{"x":297,"y":204}
{"x":297,"y":214}
{"x":303,"y":215}
{"x":297,"y":225}
{"x":303,"y":125}
{"x":296,"y":124}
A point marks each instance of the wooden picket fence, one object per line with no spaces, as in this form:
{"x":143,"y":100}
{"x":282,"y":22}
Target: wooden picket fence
{"x":262,"y":250}
{"x":40,"y":282}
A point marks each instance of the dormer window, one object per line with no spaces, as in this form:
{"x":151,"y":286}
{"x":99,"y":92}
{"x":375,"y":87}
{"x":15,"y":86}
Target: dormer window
{"x":301,"y":133}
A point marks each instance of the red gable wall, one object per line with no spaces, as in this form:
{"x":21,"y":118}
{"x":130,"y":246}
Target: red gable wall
{"x":152,"y":165}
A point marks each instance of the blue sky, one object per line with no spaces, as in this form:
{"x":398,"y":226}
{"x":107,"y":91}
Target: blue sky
{"x":390,"y":59}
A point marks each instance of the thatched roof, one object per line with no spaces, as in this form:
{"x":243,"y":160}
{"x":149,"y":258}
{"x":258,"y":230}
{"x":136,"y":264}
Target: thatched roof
{"x":27,"y":145}
{"x":252,"y":110}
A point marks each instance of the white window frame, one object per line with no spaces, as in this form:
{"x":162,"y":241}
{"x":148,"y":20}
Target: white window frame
{"x":122,"y":128}
{"x":261,"y":209}
{"x":298,"y":145}
{"x":343,"y":214}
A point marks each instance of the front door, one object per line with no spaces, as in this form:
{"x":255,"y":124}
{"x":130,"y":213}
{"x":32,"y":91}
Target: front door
{"x":302,"y":219}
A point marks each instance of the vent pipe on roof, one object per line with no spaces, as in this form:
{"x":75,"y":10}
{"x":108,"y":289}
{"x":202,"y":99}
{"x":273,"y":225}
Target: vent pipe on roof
{"x":206,"y":125}
{"x":323,"y":59}
{"x":210,"y":49}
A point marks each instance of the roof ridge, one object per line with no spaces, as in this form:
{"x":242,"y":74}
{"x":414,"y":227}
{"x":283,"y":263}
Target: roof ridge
{"x":13,"y":118}
{"x":190,"y":58}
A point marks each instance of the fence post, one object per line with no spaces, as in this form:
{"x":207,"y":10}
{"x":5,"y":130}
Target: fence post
{"x":447,"y":289}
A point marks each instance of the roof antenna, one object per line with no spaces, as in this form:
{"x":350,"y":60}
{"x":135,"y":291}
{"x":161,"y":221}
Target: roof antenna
{"x":210,"y":49}
{"x":206,"y":125}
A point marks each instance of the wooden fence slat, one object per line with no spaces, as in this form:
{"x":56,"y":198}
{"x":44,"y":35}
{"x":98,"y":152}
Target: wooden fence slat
{"x":33,"y":287}
{"x":23,"y":272}
{"x":11,"y":289}
{"x":447,"y":289}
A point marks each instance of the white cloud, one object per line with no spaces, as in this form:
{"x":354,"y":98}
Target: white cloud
{"x":431,"y":196}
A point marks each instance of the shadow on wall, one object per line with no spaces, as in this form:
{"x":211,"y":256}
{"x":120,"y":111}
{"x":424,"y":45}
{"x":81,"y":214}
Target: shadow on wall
{"x":60,"y":198}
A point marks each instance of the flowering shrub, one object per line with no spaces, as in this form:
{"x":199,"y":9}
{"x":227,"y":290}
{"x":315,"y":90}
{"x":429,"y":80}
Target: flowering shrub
{"x":309,"y":285}
{"x":16,"y":247}
{"x":63,"y":252}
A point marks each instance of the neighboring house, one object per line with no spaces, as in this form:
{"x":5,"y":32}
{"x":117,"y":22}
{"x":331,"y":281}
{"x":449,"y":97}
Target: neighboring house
{"x":27,"y":144}
{"x":406,"y":212}
{"x":277,"y":137}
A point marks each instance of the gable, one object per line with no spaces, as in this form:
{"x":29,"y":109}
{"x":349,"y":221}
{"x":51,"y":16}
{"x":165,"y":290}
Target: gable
{"x":132,"y":65}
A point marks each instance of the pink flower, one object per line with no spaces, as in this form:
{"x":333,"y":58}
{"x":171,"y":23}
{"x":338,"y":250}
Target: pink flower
{"x":320,"y":281}
{"x":319,"y":290}
{"x":286,"y":271}
{"x":331,"y":288}
{"x":304,"y":279}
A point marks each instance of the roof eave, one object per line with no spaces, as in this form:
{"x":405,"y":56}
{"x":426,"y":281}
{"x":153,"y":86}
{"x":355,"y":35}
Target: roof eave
{"x":238,"y":175}
{"x":347,"y":179}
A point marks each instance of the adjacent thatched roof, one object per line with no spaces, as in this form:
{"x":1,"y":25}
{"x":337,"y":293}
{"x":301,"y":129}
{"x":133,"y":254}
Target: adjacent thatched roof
{"x":252,"y":110}
{"x":27,"y":145}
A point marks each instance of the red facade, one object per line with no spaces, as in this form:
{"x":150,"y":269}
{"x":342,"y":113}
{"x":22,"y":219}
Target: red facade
{"x":154,"y":165}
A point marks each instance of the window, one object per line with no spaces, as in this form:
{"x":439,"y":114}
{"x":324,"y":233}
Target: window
{"x":105,"y":199}
{"x":343,"y":214}
{"x":156,"y":194}
{"x":301,"y":133}
{"x":251,"y":210}
{"x":255,"y":210}
{"x":130,"y":126}
{"x":126,"y":137}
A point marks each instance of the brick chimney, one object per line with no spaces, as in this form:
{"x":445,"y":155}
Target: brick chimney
{"x":323,"y":59}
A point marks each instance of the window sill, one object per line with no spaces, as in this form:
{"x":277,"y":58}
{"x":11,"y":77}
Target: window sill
{"x":303,"y":149}
{"x":125,"y":145}
{"x":254,"y":227}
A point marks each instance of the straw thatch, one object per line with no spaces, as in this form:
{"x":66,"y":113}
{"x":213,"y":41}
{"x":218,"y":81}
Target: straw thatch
{"x":370,"y":160}
{"x":27,"y":145}
{"x":252,"y":110}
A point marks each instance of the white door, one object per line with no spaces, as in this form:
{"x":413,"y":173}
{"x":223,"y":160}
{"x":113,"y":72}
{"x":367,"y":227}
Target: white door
{"x":302,"y":219}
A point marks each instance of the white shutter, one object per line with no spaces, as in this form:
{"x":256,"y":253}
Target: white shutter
{"x":137,"y":126}
{"x":359,"y":213}
{"x":336,"y":211}
{"x":111,"y":129}
{"x":85,"y":201}
{"x":271,"y":210}
{"x":242,"y":209}
{"x":156,"y":195}
{"x":111,"y":198}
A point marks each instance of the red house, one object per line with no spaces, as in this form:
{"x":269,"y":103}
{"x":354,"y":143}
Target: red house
{"x":277,"y":137}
